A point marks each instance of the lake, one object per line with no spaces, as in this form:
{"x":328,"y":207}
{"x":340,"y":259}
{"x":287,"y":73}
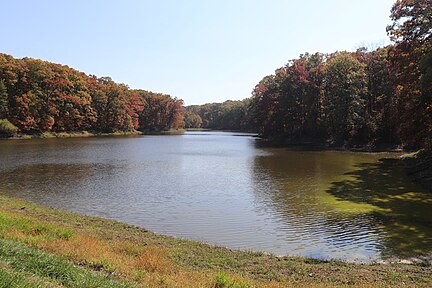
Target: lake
{"x":226,"y":189}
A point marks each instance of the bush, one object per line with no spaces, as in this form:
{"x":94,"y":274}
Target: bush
{"x":7,"y":128}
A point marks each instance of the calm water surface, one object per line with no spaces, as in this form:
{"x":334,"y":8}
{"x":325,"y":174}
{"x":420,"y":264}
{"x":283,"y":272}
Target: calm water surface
{"x":223,"y":188}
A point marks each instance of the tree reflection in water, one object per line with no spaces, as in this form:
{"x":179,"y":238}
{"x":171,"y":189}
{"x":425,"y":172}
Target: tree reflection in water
{"x":339,"y":203}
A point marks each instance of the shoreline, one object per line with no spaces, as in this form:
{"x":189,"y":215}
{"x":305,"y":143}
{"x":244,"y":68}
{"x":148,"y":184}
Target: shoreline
{"x":138,"y":256}
{"x":418,"y":166}
{"x":86,"y":134}
{"x":82,"y":134}
{"x":264,"y":142}
{"x":323,"y":146}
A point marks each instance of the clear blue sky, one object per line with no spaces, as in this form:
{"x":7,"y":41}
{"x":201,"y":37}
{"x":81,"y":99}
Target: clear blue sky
{"x":200,"y":51}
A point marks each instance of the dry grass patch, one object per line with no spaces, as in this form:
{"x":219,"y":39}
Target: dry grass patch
{"x":153,"y":259}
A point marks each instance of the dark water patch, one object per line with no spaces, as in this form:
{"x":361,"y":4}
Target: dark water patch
{"x":405,"y":208}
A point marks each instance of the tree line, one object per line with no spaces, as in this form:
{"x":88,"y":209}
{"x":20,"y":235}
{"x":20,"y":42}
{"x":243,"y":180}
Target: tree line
{"x":229,"y":115}
{"x":376,"y":98}
{"x":38,"y":96}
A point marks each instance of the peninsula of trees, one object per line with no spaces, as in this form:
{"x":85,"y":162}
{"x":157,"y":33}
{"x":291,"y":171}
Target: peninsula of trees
{"x":379,"y":98}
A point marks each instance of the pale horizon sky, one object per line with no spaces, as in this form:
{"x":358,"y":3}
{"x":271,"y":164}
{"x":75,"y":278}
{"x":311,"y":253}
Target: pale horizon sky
{"x":199,"y":51}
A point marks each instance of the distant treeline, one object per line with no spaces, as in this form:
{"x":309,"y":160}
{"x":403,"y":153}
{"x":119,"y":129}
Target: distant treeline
{"x":377,"y":98}
{"x":229,"y":115}
{"x":38,"y":96}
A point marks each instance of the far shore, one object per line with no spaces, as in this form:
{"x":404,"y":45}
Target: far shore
{"x":265,"y":142}
{"x":84,"y":134}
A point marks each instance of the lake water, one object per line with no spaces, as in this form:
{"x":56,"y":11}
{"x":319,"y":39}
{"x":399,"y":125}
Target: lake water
{"x":224,"y":188}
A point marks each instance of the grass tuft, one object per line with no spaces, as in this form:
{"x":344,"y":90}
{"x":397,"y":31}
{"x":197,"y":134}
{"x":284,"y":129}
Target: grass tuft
{"x":224,"y":281}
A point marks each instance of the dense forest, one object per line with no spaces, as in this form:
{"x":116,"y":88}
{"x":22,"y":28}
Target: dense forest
{"x":229,"y":115}
{"x":379,"y":98}
{"x":38,"y":96}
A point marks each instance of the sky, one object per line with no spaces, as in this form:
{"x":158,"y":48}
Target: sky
{"x":198,"y":51}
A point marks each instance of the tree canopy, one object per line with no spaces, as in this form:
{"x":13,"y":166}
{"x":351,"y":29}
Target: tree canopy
{"x":38,"y":96}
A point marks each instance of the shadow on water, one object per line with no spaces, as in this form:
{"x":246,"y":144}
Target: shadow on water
{"x":352,"y":206}
{"x":404,"y":208}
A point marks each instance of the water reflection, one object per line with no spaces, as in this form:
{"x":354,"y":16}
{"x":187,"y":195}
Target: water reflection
{"x":222,"y":189}
{"x":404,"y":208}
{"x":346,"y":205}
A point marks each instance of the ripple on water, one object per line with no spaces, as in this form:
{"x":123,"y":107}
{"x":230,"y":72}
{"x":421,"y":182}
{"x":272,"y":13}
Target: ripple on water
{"x":223,"y":189}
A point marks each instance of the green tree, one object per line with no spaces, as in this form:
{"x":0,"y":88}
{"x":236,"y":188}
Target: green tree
{"x":345,"y":88}
{"x":4,"y":101}
{"x":381,"y":113}
{"x":192,"y":120}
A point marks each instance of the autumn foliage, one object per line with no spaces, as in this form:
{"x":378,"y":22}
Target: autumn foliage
{"x":229,"y":115}
{"x":411,"y":67}
{"x":38,"y":96}
{"x":370,"y":99}
{"x":380,"y":98}
{"x":344,"y":99}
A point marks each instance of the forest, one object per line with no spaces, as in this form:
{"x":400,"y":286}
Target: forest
{"x":380,"y":98}
{"x":229,"y":115}
{"x":38,"y":96}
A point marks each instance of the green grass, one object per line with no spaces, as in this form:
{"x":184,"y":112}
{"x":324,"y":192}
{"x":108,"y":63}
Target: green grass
{"x":31,"y":227}
{"x":7,"y":129}
{"x":29,"y":267}
{"x":13,"y":279}
{"x":224,"y":281}
{"x":410,"y":155}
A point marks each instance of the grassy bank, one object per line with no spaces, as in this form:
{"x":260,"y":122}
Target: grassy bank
{"x":69,"y":135}
{"x":44,"y":247}
{"x":84,"y":134}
